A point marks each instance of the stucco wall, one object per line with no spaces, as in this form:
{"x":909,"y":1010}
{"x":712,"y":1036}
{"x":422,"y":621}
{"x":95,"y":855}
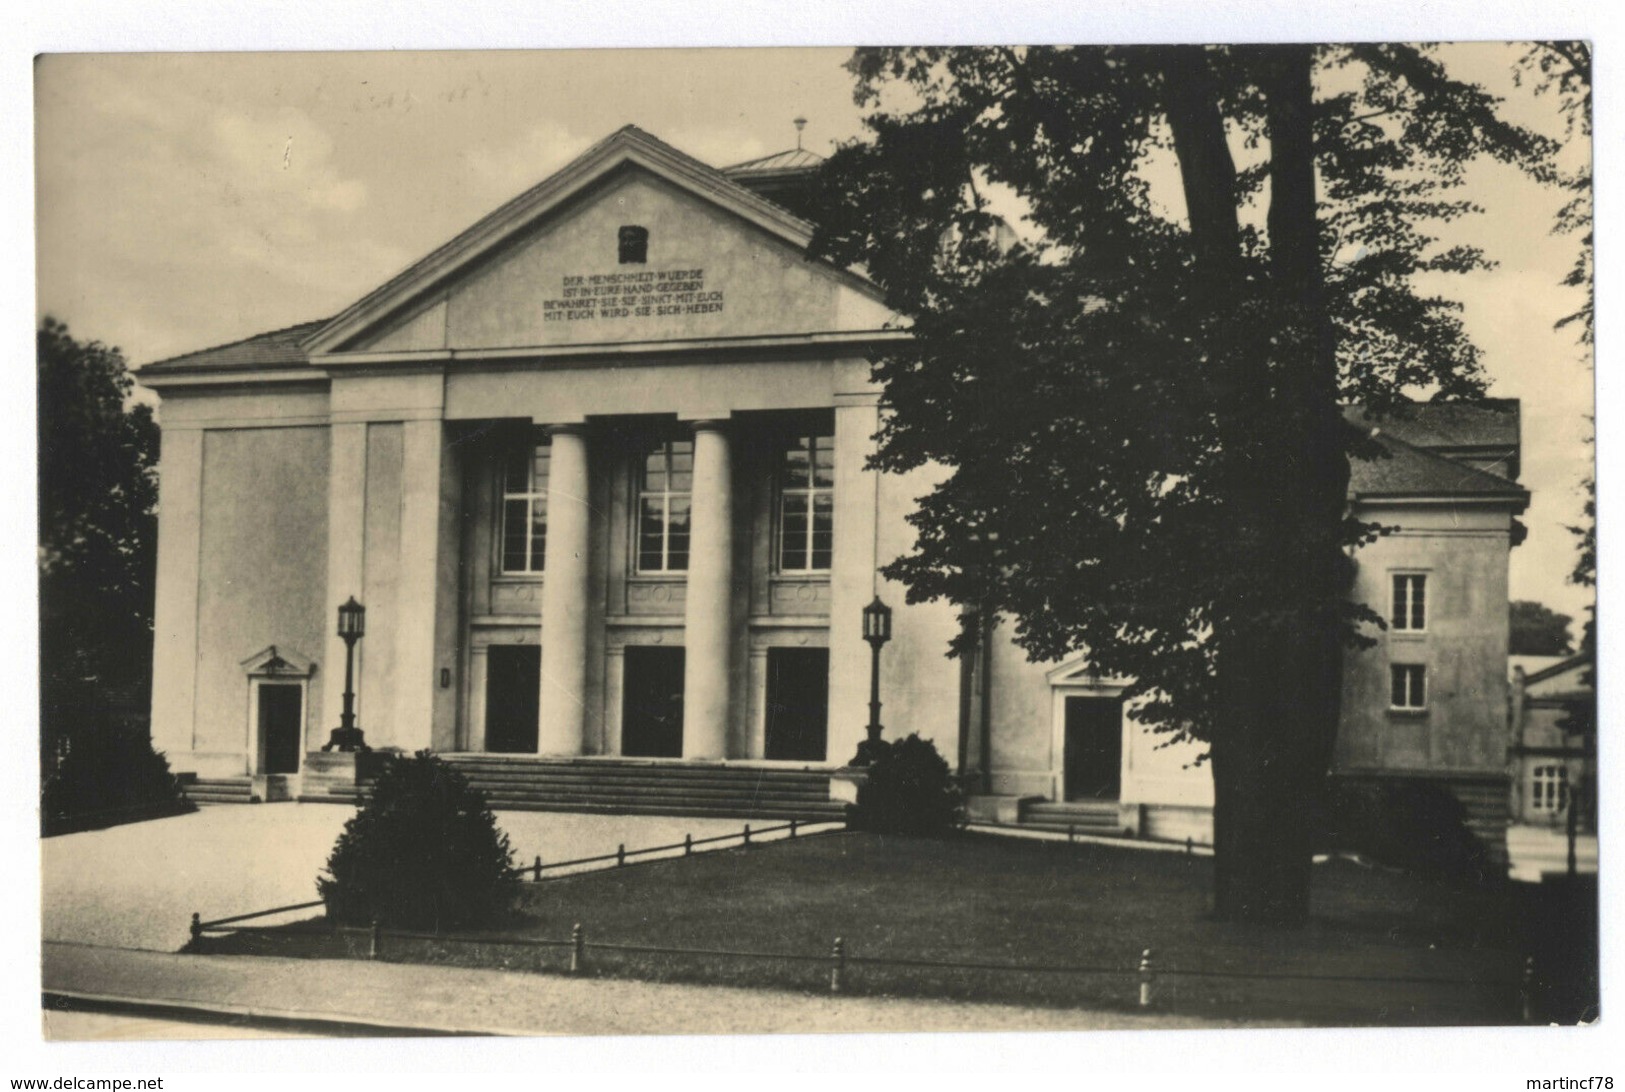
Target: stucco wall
{"x":750,"y":282}
{"x":261,"y":579}
{"x":1463,"y":551}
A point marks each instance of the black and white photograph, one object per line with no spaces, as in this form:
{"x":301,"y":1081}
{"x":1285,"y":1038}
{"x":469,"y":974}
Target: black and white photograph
{"x":838,"y":540}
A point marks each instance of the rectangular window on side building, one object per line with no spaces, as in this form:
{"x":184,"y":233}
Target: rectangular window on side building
{"x":1409,"y":609}
{"x":1407,"y":686}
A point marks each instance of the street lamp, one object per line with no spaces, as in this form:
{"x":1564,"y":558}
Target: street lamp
{"x":877,"y":631}
{"x":352,"y":627}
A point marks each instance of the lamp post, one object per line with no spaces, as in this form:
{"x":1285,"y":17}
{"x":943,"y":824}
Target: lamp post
{"x":877,"y":631}
{"x":352,"y":627}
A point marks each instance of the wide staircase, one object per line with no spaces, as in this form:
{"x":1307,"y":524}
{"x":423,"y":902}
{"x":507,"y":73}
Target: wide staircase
{"x":629,"y":787}
{"x":217,"y":790}
{"x":1094,"y":817}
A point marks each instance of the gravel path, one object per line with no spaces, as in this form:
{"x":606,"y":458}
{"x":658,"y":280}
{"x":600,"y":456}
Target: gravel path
{"x":137,"y":886}
{"x":468,"y":1000}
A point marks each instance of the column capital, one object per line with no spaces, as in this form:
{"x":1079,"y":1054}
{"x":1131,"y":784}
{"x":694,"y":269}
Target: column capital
{"x":577,"y":428}
{"x":710,"y":424}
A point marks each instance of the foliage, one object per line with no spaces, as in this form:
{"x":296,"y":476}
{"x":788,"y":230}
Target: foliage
{"x":1159,"y":388}
{"x":97,"y":558}
{"x":424,"y":852}
{"x":1418,"y":826}
{"x":1580,"y":716}
{"x":908,"y":790}
{"x":108,"y":774}
{"x":1537,"y":630}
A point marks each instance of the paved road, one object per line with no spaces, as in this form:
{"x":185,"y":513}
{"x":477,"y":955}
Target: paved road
{"x":137,"y":886}
{"x":459,"y":999}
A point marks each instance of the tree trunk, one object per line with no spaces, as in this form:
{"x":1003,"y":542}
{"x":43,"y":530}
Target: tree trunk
{"x":1280,"y":654}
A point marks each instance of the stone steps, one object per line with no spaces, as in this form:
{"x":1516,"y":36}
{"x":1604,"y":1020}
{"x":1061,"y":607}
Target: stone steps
{"x":649,"y":788}
{"x":1081,"y":816}
{"x":219,"y":790}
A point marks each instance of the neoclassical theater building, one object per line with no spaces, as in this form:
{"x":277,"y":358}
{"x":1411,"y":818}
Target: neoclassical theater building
{"x":596,"y":470}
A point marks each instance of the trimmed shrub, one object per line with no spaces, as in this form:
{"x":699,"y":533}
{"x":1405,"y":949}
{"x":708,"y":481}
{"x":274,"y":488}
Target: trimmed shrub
{"x":909,"y":790}
{"x":104,"y":772}
{"x":423,"y":852}
{"x":1416,"y":825}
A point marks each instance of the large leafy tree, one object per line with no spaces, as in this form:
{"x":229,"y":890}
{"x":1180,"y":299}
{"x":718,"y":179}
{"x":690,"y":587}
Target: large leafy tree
{"x":1140,"y":405}
{"x":1538,"y":630}
{"x":97,"y":538}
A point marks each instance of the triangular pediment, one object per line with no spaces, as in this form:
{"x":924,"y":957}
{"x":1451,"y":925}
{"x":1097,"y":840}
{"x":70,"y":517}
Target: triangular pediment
{"x":272,"y":660}
{"x":1077,"y":671}
{"x":547,"y":270}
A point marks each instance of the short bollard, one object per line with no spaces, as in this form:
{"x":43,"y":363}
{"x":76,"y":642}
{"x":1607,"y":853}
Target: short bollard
{"x":1145,"y":979}
{"x":373,"y":939}
{"x":196,"y":927}
{"x":837,"y":966}
{"x":578,"y":948}
{"x":537,"y":868}
{"x":792,"y":828}
{"x":747,"y":835}
{"x":1526,"y":990}
{"x":688,"y":845}
{"x":620,"y":855}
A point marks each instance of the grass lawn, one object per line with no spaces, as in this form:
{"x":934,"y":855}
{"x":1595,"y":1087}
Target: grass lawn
{"x":978,"y":899}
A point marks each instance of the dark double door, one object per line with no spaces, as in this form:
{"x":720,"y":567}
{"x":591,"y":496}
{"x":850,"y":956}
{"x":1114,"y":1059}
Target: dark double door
{"x":797,"y":704}
{"x":513,"y":681}
{"x":1094,"y":748}
{"x":282,"y":727}
{"x":652,"y":702}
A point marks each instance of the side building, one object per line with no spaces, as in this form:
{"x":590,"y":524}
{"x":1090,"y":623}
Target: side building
{"x":597,"y":470}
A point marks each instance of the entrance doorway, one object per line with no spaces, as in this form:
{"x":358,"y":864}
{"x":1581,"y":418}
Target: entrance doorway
{"x":513,"y":681}
{"x":282,"y":727}
{"x":652,"y":703}
{"x":1094,"y":748}
{"x":797,"y":704}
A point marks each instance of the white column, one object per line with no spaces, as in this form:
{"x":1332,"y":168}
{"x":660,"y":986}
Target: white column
{"x":708,"y":634}
{"x":564,"y":597}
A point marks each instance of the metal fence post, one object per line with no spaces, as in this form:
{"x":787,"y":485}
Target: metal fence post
{"x":196,"y":926}
{"x":792,"y":828}
{"x":373,"y":940}
{"x":837,"y":966}
{"x":1189,"y":846}
{"x":1145,"y":979}
{"x":1526,"y":990}
{"x":688,"y":845}
{"x":747,"y":835}
{"x":537,"y":867}
{"x":620,"y":855}
{"x":578,"y":948}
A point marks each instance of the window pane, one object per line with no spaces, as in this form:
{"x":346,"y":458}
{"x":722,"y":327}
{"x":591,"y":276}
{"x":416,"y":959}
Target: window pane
{"x":823,"y":530}
{"x":516,"y":473}
{"x":677,"y":535}
{"x":1399,"y":615}
{"x":1418,"y":602}
{"x":654,"y":471}
{"x":651,"y":534}
{"x":795,"y":466}
{"x":538,"y":533}
{"x":538,"y":481}
{"x":514,"y":515}
{"x":1397,"y":690}
{"x":824,"y":461}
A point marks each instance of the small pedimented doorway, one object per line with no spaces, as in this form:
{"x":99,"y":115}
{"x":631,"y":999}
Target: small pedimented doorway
{"x":278,"y":693}
{"x":1088,"y":715}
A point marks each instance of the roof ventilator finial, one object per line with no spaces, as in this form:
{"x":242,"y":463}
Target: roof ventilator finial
{"x":800,"y":124}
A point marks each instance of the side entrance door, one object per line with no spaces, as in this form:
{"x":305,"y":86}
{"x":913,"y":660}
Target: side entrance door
{"x":652,"y":702}
{"x":1094,"y":748}
{"x":282,"y":727}
{"x":797,"y":704}
{"x":513,"y":682}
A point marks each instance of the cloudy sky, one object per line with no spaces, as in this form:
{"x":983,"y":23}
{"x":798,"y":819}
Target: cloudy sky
{"x":185,"y":200}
